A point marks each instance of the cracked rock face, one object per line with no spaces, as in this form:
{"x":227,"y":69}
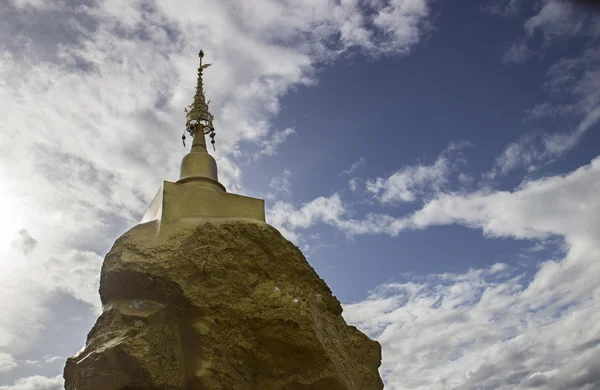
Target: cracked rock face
{"x":218,"y":304}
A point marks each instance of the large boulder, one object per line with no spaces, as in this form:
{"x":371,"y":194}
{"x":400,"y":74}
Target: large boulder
{"x":218,"y":304}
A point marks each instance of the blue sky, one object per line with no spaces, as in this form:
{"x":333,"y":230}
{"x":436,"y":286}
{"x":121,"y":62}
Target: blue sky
{"x":437,"y":163}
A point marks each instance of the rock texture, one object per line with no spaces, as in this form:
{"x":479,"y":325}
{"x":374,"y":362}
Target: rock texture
{"x":218,"y":304}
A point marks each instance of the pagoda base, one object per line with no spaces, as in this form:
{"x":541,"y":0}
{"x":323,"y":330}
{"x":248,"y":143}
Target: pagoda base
{"x":177,"y":200}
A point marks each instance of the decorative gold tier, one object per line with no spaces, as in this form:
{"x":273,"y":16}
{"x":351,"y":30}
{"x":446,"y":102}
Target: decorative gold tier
{"x":192,"y":199}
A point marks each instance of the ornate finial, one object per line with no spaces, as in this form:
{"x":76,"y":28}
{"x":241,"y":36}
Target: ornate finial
{"x":198,"y":115}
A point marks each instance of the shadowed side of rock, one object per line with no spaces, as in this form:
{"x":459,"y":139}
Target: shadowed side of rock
{"x":218,"y":304}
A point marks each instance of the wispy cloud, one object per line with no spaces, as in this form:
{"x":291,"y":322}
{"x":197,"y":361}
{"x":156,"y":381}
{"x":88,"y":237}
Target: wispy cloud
{"x":411,"y":182}
{"x":523,"y":153}
{"x":354,"y":166}
{"x":280,"y":186}
{"x":553,"y":20}
{"x":518,"y":52}
{"x":52,"y":359}
{"x":353,"y":184}
{"x":268,"y":147}
{"x":503,"y":8}
{"x":576,"y":78}
{"x":558,"y":19}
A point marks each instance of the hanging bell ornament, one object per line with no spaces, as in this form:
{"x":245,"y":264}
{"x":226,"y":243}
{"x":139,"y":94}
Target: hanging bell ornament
{"x":212,"y":139}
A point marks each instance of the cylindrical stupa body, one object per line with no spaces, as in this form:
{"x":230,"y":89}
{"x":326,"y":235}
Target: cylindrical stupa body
{"x":198,"y":166}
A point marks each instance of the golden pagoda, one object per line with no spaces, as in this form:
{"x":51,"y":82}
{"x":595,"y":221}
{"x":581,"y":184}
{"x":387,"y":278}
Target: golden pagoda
{"x":198,"y":192}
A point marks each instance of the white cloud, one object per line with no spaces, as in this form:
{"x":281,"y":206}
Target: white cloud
{"x":7,"y":362}
{"x":408,"y":183}
{"x":493,"y":328}
{"x":330,"y":211}
{"x":288,"y":219}
{"x":498,"y":267}
{"x":482,"y":330}
{"x":109,"y":85}
{"x":52,"y":359}
{"x":558,"y":205}
{"x":37,"y":382}
{"x":354,"y":166}
{"x":404,"y":22}
{"x":268,"y":147}
{"x":280,"y":186}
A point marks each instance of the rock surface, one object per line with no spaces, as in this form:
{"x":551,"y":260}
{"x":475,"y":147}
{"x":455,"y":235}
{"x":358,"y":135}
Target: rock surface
{"x":218,"y":304}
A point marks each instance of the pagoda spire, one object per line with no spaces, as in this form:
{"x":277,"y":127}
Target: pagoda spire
{"x":198,"y":116}
{"x":198,"y":167}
